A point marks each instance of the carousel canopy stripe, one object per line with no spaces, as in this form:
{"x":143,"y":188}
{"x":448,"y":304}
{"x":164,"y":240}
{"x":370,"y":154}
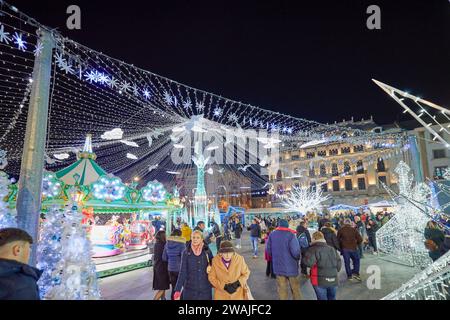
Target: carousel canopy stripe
{"x":82,"y":172}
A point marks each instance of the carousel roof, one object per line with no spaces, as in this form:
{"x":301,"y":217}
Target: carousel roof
{"x":85,"y":170}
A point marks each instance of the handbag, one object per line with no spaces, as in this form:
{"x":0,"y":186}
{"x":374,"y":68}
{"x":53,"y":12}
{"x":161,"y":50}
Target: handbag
{"x":247,"y":293}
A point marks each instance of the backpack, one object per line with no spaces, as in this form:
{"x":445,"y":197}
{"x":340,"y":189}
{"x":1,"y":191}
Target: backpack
{"x":303,"y":241}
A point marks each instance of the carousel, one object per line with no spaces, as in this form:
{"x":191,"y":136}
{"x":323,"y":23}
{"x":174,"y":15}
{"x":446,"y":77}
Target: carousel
{"x":121,"y":219}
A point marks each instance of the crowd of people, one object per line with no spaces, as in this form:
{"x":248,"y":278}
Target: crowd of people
{"x":189,"y":268}
{"x":184,"y":263}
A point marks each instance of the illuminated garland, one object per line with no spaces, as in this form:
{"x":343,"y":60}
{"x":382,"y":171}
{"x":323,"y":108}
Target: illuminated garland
{"x":154,"y":191}
{"x":109,"y":188}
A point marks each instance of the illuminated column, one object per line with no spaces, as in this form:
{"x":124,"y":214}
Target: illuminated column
{"x":31,"y":171}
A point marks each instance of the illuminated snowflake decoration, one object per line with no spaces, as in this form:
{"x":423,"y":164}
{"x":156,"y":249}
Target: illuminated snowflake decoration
{"x":109,"y":188}
{"x":187,"y":104}
{"x":51,"y":186}
{"x":154,"y":192}
{"x":218,"y":112}
{"x":135,"y":90}
{"x":232,"y":117}
{"x":200,"y":107}
{"x":113,"y":83}
{"x":38,"y":49}
{"x":146,"y":94}
{"x":124,"y":86}
{"x":21,"y":43}
{"x":167,"y":98}
{"x":4,"y":36}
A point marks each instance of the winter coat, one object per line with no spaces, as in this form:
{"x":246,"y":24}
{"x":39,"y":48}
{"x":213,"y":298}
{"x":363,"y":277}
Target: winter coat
{"x":302,"y":229}
{"x":436,"y":235}
{"x":322,"y":222}
{"x":266,"y":254}
{"x":172,"y":252}
{"x":18,"y":281}
{"x":238,"y":230}
{"x":371,"y":231}
{"x":445,"y":246}
{"x":220,"y":276}
{"x":186,"y":232}
{"x":284,"y":249}
{"x":331,"y":237}
{"x":349,"y":238}
{"x":216,"y":230}
{"x":193,"y":278}
{"x":325,"y":264}
{"x":161,"y":280}
{"x":255,"y":230}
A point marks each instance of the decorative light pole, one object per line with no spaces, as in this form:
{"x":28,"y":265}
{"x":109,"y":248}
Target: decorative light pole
{"x":200,"y":197}
{"x":31,"y":171}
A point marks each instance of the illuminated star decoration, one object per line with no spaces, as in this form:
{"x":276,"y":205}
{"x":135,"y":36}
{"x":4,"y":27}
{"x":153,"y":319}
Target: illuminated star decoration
{"x":200,"y":107}
{"x":4,"y":36}
{"x":59,"y":59}
{"x":218,"y":112}
{"x":67,"y":68}
{"x":232,"y":117}
{"x":112,"y":83}
{"x":90,"y":76}
{"x":187,"y":104}
{"x":125,"y":86}
{"x":167,"y":98}
{"x":146,"y":94}
{"x":38,"y":49}
{"x":21,"y":43}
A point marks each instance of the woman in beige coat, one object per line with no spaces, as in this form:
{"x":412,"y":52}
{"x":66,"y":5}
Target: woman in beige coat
{"x":228,"y":274}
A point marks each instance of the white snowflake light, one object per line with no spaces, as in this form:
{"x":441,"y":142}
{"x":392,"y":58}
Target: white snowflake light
{"x":187,"y":104}
{"x":4,"y":36}
{"x":200,"y":107}
{"x":167,"y":98}
{"x":218,"y":112}
{"x":21,"y":43}
{"x":38,"y":49}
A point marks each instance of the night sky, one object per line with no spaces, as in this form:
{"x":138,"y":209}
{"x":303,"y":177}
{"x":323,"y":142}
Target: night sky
{"x":310,"y":59}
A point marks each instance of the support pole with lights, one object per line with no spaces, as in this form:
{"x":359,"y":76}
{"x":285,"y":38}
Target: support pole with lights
{"x":31,"y":171}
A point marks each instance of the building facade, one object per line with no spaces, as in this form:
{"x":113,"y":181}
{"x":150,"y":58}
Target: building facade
{"x":352,"y":174}
{"x":434,"y":155}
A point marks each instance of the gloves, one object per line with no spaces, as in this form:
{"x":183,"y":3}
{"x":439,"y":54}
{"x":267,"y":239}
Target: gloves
{"x":232,"y":287}
{"x":177,"y":295}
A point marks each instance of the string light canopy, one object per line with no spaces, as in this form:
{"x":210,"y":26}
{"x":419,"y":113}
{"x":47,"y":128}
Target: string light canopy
{"x":135,"y":117}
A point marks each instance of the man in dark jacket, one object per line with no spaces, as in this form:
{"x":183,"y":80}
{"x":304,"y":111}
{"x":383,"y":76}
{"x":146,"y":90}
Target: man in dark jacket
{"x":349,"y":239}
{"x":284,"y":250}
{"x":255,"y":235}
{"x":303,"y":229}
{"x":324,"y":220}
{"x":330,"y":236}
{"x":325,"y":264}
{"x":173,"y":250}
{"x":18,"y":280}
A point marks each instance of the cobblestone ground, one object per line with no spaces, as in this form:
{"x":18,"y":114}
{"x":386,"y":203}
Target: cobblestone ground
{"x":137,"y":285}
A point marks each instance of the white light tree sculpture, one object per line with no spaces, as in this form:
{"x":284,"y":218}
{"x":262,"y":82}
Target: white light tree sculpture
{"x":303,"y":199}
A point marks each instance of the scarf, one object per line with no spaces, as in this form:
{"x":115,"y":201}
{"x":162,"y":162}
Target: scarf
{"x":197,"y":250}
{"x":226,"y":263}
